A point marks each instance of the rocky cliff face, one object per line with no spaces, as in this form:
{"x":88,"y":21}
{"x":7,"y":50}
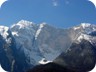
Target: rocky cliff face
{"x":26,"y":44}
{"x":79,"y":57}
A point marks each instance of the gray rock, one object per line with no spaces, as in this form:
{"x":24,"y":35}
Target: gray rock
{"x":80,"y":56}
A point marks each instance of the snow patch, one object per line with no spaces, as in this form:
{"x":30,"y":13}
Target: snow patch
{"x":12,"y":66}
{"x":94,"y":29}
{"x":44,"y":61}
{"x":83,"y":36}
{"x":4,"y":33}
{"x":75,"y":28}
{"x":84,"y":25}
{"x":39,"y":30}
{"x":15,"y":33}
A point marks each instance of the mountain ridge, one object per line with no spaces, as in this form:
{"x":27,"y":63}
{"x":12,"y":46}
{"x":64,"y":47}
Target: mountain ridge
{"x":40,"y":44}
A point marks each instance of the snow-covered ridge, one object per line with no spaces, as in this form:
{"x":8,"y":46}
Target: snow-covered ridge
{"x":29,"y":28}
{"x":76,"y":28}
{"x":84,"y":25}
{"x":4,"y":33}
{"x":22,"y":24}
{"x":83,"y":36}
{"x":39,"y":30}
{"x":21,"y":27}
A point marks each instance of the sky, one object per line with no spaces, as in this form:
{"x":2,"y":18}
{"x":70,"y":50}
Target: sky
{"x":58,"y":13}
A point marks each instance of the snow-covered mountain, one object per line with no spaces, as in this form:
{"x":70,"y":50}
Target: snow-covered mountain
{"x":26,"y":44}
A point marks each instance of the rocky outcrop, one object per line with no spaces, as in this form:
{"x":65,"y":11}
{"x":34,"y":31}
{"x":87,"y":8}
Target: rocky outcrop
{"x":79,"y":57}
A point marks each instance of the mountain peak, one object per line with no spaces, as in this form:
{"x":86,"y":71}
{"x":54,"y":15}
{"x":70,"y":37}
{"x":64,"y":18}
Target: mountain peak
{"x":23,"y":23}
{"x":31,"y":44}
{"x":84,"y":25}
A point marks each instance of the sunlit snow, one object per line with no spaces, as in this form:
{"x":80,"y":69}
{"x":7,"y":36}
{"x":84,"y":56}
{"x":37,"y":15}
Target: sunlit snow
{"x":39,"y":30}
{"x":44,"y":61}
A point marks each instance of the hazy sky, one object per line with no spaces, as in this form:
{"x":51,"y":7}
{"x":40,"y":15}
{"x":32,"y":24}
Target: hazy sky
{"x":59,"y":13}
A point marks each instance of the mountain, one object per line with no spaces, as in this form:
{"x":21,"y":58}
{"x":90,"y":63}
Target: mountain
{"x":79,"y":57}
{"x":26,"y":44}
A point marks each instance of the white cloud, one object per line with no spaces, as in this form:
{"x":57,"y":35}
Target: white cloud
{"x":55,"y":2}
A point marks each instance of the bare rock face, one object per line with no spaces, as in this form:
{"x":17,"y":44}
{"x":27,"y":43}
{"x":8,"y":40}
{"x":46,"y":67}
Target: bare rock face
{"x":79,"y":57}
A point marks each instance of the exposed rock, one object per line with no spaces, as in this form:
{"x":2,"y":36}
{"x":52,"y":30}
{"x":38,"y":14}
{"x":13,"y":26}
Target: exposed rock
{"x":79,"y":57}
